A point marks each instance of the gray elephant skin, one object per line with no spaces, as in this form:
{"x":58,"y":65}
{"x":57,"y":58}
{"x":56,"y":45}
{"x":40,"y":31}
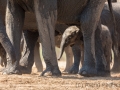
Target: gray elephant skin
{"x":27,"y":59}
{"x":72,"y":35}
{"x":46,"y":17}
{"x":106,"y":20}
{"x":59,"y":29}
{"x":5,"y":46}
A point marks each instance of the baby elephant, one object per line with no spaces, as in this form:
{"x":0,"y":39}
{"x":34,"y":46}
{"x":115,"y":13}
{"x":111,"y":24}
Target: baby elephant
{"x":73,"y":35}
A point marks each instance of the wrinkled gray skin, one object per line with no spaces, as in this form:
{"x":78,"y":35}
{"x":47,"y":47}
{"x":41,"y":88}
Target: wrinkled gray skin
{"x":68,"y":53}
{"x":27,"y":52}
{"x":73,"y":35}
{"x":74,"y":68}
{"x":28,"y":57}
{"x":46,"y":16}
{"x":25,"y":58}
{"x":5,"y":46}
{"x":107,"y":46}
{"x":106,"y":20}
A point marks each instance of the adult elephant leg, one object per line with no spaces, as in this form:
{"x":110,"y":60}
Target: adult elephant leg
{"x":5,"y":46}
{"x":46,"y":16}
{"x":14,"y":23}
{"x":69,"y":58}
{"x":77,"y":55}
{"x":88,"y":30}
{"x":27,"y":60}
{"x":37,"y":59}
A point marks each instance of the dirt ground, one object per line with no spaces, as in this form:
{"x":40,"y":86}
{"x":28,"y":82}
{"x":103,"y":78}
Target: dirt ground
{"x":65,"y":82}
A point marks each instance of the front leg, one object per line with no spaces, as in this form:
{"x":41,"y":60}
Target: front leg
{"x":27,"y":60}
{"x":46,"y":16}
{"x":89,"y":20}
{"x":14,"y":23}
{"x":77,"y":55}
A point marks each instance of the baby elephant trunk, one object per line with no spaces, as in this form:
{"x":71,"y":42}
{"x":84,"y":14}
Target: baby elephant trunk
{"x":62,"y":47}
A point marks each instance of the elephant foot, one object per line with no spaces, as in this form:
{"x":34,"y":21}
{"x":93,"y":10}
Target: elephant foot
{"x":91,"y":72}
{"x":25,"y":67}
{"x":25,"y":70}
{"x":51,"y":71}
{"x":8,"y":71}
{"x":11,"y":70}
{"x":104,"y":73}
{"x":88,"y":71}
{"x":73,"y":70}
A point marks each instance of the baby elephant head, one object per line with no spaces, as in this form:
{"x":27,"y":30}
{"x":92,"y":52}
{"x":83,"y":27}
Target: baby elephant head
{"x":69,"y":37}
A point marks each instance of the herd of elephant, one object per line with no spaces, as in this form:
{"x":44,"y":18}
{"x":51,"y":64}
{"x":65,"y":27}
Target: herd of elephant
{"x":87,"y":30}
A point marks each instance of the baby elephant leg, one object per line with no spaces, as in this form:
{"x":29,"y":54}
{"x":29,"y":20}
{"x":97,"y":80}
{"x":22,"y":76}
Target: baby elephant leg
{"x":107,"y":46}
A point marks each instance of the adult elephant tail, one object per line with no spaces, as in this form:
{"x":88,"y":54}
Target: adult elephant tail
{"x":114,"y":32}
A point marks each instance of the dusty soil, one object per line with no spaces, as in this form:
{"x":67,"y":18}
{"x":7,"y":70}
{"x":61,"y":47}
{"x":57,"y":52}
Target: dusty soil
{"x":65,"y":82}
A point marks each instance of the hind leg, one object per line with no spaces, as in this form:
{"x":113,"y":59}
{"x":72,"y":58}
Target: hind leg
{"x":37,"y":59}
{"x":27,"y":59}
